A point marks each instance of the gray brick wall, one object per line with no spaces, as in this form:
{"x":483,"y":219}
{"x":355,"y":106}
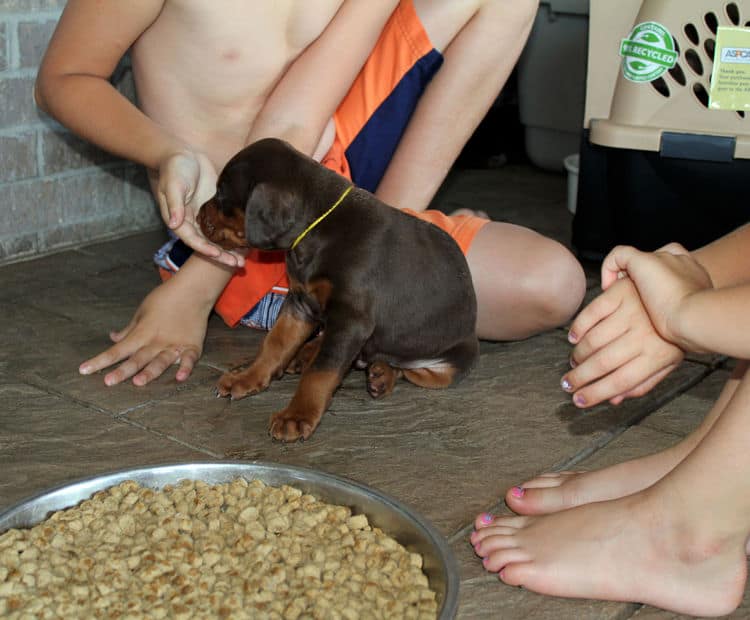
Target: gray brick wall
{"x":58,"y":191}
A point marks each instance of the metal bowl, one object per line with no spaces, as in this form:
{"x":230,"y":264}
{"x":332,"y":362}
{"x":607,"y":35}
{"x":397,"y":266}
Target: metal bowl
{"x":398,"y":521}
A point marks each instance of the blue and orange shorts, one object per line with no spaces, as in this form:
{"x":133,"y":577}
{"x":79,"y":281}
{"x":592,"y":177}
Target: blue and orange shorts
{"x":369,"y":124}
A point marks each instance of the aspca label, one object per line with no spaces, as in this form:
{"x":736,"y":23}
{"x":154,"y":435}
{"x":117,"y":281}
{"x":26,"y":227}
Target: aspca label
{"x":648,"y":52}
{"x":736,"y":55}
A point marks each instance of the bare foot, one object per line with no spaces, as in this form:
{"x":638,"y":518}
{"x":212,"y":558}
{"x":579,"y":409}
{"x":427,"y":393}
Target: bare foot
{"x":552,"y":492}
{"x":653,"y":547}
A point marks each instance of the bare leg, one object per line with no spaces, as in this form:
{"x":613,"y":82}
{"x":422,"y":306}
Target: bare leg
{"x":480,"y":41}
{"x":513,"y":268}
{"x":558,"y":491}
{"x":680,"y":544}
{"x":525,"y":283}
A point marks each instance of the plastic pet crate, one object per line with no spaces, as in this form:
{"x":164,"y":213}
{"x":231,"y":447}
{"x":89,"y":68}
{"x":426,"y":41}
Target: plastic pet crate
{"x":664,"y":166}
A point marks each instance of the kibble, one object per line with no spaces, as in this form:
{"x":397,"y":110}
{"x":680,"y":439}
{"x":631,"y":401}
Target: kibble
{"x":241,"y":549}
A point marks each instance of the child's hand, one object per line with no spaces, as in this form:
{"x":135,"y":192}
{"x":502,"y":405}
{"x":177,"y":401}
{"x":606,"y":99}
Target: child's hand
{"x":168,"y":328}
{"x":664,"y":279}
{"x":186,"y":181}
{"x":618,"y":353}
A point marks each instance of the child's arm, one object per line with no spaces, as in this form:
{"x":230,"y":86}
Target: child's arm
{"x":726,"y":259}
{"x":302,"y":103}
{"x":681,"y":300}
{"x":73,"y":87}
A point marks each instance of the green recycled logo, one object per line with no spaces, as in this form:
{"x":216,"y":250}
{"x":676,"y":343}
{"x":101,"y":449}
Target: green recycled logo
{"x":648,"y":52}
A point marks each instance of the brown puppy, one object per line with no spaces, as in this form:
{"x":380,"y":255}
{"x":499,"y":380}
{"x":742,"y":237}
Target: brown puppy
{"x":391,"y":293}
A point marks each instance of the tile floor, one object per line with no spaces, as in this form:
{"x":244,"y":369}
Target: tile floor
{"x":448,"y":455}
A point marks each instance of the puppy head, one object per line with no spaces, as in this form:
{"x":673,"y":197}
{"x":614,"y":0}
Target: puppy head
{"x":258,"y":200}
{"x":272,"y":216}
{"x":222,"y":223}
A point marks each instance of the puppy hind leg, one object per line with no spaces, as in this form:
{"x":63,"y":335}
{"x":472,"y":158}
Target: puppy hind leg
{"x":381,"y":379}
{"x":456,"y":364}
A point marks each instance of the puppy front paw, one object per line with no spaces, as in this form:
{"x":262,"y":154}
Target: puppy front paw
{"x":240,"y":383}
{"x":291,"y":425}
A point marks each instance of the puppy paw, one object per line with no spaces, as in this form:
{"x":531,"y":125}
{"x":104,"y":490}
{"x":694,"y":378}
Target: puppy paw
{"x":240,"y":383}
{"x":291,"y":425}
{"x":381,"y":378}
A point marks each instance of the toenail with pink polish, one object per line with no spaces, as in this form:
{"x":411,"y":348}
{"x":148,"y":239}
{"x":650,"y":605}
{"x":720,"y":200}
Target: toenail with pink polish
{"x":518,"y":491}
{"x":487,"y":518}
{"x":566,"y":385}
{"x":579,"y":400}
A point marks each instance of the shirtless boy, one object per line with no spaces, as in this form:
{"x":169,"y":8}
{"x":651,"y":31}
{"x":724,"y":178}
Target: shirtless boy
{"x":214,"y":76}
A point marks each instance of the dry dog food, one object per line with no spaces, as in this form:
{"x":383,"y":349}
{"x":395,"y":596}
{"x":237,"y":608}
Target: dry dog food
{"x":235,"y":550}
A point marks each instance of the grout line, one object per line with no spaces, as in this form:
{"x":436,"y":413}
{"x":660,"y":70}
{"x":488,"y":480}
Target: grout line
{"x":169,"y":438}
{"x":119,"y":417}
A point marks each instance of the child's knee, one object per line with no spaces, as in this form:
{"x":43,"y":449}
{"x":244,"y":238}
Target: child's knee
{"x":557,"y":285}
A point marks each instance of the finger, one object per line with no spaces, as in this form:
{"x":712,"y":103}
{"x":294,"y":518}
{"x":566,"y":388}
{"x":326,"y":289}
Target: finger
{"x":616,"y":262}
{"x":239,"y":257}
{"x":130,"y":366}
{"x":174,"y":196}
{"x":200,"y":244}
{"x":599,"y":309}
{"x":118,"y":336}
{"x":187,"y":362}
{"x":600,"y":335}
{"x":621,"y":381}
{"x":600,"y":365}
{"x":156,"y":367}
{"x":105,"y":359}
{"x":644,"y":387}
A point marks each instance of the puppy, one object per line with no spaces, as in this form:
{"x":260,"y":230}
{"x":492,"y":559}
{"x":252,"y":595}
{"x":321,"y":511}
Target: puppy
{"x":389,"y":292}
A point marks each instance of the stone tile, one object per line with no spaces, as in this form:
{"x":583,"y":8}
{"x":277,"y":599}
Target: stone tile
{"x":136,"y":249}
{"x":105,"y":299}
{"x":45,"y":349}
{"x":227,"y":347}
{"x":483,"y":595}
{"x":67,"y":270}
{"x":46,"y":440}
{"x":501,"y":419}
{"x":685,"y":412}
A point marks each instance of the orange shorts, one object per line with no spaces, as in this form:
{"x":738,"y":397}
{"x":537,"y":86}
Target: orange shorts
{"x":369,"y":124}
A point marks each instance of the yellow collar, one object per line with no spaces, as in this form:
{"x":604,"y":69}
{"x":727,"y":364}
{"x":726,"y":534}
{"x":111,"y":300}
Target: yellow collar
{"x":322,"y":217}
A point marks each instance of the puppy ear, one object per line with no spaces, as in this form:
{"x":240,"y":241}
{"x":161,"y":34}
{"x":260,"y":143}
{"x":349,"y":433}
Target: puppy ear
{"x":270,"y":217}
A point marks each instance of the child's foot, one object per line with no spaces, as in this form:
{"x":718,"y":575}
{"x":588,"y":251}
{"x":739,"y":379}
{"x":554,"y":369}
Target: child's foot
{"x":649,"y":548}
{"x":552,"y":492}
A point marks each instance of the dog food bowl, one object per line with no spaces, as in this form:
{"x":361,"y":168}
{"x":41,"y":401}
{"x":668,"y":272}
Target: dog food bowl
{"x":395,"y":519}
